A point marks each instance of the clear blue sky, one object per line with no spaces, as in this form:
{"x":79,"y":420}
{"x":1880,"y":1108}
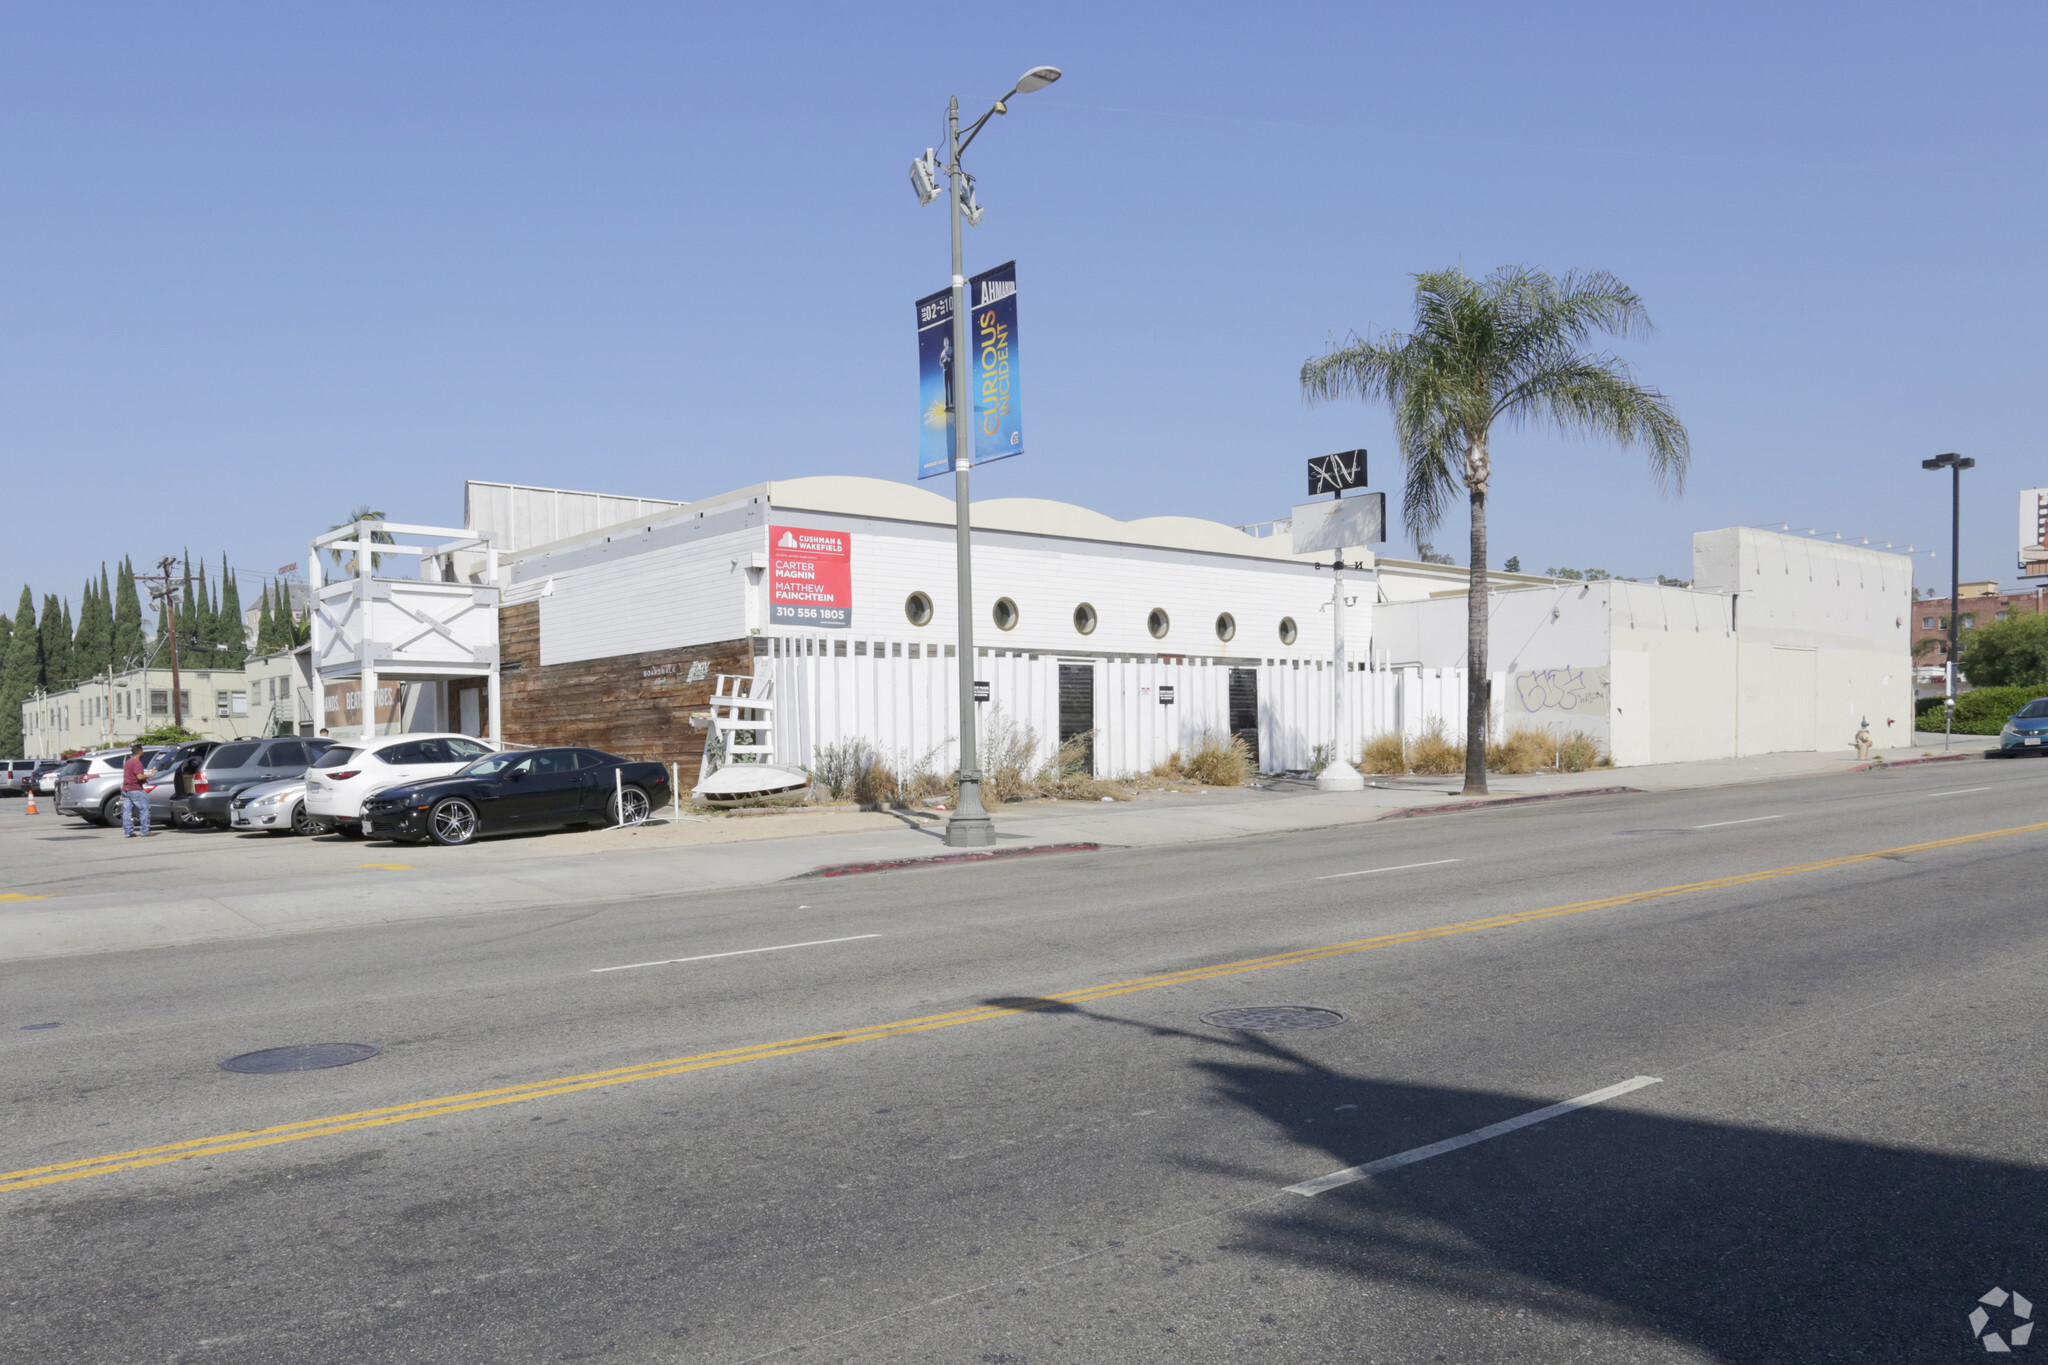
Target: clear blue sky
{"x":259,"y":263}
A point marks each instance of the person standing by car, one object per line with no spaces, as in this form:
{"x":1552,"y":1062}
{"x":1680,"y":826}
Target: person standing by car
{"x":134,"y":801}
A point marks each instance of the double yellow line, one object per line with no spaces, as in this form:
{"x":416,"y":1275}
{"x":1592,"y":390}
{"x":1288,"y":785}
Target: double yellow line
{"x":35,"y":1176}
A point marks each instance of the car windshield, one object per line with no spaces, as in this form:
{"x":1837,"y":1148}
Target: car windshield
{"x":490,"y":765}
{"x":336,"y":757}
{"x":2033,"y":710}
{"x":75,"y":767}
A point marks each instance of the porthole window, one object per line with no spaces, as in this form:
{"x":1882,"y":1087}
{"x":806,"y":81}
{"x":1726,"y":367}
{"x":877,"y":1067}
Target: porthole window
{"x":918,"y":608}
{"x":1226,"y":626}
{"x":1159,"y":623}
{"x":1005,"y":614}
{"x":1288,"y":630}
{"x":1084,"y":619}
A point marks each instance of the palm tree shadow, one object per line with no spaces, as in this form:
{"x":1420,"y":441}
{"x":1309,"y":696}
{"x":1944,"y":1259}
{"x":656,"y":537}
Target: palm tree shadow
{"x":1748,"y":1243}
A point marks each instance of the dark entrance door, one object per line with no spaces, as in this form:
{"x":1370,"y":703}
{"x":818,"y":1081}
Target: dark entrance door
{"x":1244,"y":709}
{"x":1077,"y":710}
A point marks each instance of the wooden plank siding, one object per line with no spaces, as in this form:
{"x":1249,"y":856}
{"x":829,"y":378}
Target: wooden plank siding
{"x":634,"y":705}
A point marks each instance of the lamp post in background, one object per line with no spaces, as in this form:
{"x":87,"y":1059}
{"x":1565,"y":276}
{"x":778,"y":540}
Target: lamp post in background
{"x":969,"y":826}
{"x":1955,"y":464}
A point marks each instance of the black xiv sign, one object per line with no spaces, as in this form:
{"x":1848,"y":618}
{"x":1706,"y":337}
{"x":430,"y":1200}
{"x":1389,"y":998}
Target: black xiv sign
{"x":1336,"y":473}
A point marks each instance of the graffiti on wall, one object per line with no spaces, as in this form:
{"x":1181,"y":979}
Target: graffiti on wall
{"x":1562,"y":691}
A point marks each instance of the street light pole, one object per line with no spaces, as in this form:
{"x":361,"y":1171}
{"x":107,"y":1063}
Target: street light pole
{"x":1955,"y":464}
{"x":970,"y":826}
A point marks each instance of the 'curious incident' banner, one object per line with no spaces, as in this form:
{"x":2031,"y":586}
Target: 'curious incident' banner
{"x":991,"y":371}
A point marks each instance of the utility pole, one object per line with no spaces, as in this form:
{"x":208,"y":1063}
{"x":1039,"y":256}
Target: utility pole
{"x":162,"y":590}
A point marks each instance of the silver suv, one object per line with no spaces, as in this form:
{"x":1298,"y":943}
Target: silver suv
{"x":15,"y":774}
{"x":93,"y":791}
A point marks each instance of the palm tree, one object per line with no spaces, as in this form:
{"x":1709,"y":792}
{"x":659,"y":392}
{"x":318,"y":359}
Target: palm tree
{"x":1506,"y":348}
{"x":346,"y":563}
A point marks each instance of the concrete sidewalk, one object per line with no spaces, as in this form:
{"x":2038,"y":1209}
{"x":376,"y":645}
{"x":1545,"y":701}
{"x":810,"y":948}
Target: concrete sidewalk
{"x":264,"y":887}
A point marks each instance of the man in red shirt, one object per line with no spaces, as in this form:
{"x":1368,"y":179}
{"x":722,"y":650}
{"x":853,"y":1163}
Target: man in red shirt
{"x":134,"y":800}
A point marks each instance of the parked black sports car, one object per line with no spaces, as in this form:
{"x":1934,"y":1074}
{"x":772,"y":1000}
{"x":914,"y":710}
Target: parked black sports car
{"x":520,"y":789}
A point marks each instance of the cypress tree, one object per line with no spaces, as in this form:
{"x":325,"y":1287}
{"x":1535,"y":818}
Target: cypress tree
{"x":301,"y":625}
{"x":68,"y":633}
{"x":56,"y":645}
{"x":234,"y":630}
{"x":266,"y":625}
{"x":188,"y":614}
{"x":128,"y":645}
{"x":20,"y":674}
{"x":103,"y":621}
{"x":92,"y":646}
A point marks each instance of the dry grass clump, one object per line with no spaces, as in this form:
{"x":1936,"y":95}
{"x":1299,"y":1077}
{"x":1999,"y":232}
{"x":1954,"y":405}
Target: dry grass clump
{"x":1215,"y":761}
{"x":1384,"y":754}
{"x":1433,"y":754}
{"x":1579,"y":751}
{"x":1008,"y":772}
{"x":856,"y":771}
{"x":1526,"y":749}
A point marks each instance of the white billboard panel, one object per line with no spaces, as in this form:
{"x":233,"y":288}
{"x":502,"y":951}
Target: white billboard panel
{"x":2033,"y":532}
{"x":1340,"y":523}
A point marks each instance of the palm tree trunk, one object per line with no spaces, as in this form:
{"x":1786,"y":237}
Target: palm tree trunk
{"x":1478,"y":681}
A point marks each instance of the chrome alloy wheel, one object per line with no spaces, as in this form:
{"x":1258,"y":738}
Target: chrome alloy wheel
{"x":635,"y":808}
{"x":452,"y":821}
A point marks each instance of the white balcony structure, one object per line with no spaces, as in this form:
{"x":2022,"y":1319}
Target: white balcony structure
{"x":438,"y":624}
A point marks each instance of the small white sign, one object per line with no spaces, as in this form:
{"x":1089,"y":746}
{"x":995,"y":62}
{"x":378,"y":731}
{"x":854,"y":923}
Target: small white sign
{"x":1340,"y":523}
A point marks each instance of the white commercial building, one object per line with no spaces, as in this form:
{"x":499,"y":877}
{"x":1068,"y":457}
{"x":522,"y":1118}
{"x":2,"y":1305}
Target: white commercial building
{"x":1144,"y":635}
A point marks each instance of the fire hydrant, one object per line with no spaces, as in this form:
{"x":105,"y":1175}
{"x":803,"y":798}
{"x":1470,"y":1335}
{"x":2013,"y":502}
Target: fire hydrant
{"x":1863,"y":741}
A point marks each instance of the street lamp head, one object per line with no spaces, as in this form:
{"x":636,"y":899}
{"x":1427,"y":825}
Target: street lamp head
{"x":1946,"y":460}
{"x":1037,"y":78}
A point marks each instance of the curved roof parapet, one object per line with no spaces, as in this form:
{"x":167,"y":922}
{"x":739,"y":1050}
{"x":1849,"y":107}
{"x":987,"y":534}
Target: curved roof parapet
{"x":858,"y":496}
{"x":855,"y":495}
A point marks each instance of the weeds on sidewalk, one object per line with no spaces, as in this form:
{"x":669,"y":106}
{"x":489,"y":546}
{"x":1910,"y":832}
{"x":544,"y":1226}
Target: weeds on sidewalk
{"x":1525,"y":749}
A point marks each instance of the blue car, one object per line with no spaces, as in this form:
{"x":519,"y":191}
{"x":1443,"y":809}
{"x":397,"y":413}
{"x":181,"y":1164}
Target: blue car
{"x":2028,"y":729}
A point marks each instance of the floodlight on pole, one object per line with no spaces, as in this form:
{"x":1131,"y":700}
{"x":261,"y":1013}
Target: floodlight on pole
{"x":924,"y":177}
{"x":1955,"y":464}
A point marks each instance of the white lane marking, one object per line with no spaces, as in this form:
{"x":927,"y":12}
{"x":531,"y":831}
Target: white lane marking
{"x":1401,"y":868}
{"x":1415,"y":1154}
{"x":737,"y":952}
{"x":1960,"y":791}
{"x":1750,"y":821}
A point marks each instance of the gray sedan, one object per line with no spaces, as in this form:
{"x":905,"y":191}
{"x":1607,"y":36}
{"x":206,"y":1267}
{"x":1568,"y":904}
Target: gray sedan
{"x":272,"y":807}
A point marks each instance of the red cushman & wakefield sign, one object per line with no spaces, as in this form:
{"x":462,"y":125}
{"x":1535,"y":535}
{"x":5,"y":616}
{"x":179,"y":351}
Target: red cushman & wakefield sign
{"x":810,"y":578}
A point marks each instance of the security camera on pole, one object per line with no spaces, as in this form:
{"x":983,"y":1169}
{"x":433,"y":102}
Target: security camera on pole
{"x":1333,"y":525}
{"x":970,"y":826}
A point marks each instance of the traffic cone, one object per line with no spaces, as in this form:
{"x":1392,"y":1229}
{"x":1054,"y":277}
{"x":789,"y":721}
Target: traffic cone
{"x":31,"y":798}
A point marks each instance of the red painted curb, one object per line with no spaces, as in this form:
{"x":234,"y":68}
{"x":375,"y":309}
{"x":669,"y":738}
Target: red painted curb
{"x":1510,"y":801}
{"x":898,"y":864}
{"x":1909,"y":762}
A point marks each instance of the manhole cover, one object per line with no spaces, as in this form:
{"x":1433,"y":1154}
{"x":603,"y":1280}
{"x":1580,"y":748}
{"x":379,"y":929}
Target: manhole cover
{"x":1273,"y":1018}
{"x":304,"y":1057}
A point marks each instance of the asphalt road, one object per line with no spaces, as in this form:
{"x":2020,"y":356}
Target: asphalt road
{"x":981,"y":1119}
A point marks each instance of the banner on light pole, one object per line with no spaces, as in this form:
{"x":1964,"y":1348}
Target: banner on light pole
{"x":991,"y":372}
